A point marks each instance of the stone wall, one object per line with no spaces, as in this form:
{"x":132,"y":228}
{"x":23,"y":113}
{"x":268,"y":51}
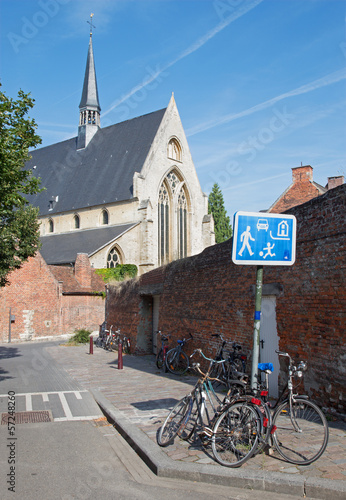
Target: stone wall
{"x":208,"y":294}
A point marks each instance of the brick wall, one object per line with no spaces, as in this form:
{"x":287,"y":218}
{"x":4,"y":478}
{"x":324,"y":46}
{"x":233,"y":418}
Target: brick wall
{"x":207,"y":294}
{"x":40,"y":306}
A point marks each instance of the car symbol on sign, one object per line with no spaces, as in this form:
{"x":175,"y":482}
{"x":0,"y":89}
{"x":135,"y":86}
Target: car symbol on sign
{"x":262,"y":224}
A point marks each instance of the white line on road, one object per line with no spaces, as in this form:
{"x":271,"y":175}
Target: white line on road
{"x":63,"y":400}
{"x":65,"y":406}
{"x":28,"y":402}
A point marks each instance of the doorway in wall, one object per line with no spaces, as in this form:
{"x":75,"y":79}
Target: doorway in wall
{"x":269,"y":340}
{"x":156,"y":309}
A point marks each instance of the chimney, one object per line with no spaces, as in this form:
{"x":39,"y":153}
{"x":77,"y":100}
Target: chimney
{"x":334,"y":182}
{"x":82,"y":270}
{"x":302,"y":173}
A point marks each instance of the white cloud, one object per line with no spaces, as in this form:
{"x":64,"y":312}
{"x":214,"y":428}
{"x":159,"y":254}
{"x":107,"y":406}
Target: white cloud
{"x":243,"y":9}
{"x":330,"y":79}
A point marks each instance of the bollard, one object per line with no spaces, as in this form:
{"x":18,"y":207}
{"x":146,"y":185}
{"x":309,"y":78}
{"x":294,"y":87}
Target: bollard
{"x":91,"y":348}
{"x":120,"y":355}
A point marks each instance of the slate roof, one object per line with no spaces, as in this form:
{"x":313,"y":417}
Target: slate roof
{"x":63,"y":248}
{"x":101,"y":173}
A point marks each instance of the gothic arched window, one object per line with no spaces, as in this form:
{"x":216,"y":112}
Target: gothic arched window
{"x":182,"y":224}
{"x":174,"y":150}
{"x":172,"y":218}
{"x":113,"y":258}
{"x":51,"y":226}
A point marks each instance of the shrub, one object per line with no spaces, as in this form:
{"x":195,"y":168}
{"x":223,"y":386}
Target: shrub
{"x":119,"y":273}
{"x":81,"y":336}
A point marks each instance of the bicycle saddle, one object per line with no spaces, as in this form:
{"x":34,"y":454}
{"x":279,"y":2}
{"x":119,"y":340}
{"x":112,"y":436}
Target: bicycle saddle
{"x":266,"y":366}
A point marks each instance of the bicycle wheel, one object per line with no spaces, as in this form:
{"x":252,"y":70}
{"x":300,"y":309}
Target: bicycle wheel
{"x":235,"y":435}
{"x":190,"y":419}
{"x":177,"y":361}
{"x":159,"y":359}
{"x":301,"y":434}
{"x":173,"y":423}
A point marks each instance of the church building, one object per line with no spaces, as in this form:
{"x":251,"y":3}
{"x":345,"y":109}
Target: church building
{"x":124,"y":194}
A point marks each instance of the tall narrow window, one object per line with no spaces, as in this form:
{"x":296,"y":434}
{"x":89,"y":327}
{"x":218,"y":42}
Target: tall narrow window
{"x":76,"y":221}
{"x":51,"y":226}
{"x":104,"y":217}
{"x":163,"y":216}
{"x":182,"y":224}
{"x":174,"y":150}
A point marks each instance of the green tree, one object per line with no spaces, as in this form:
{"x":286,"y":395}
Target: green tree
{"x":223,"y":228}
{"x":19,"y":228}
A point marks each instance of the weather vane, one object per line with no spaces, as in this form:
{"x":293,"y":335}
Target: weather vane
{"x":91,"y":24}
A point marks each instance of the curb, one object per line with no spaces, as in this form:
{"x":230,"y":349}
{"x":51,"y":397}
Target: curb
{"x":157,"y":460}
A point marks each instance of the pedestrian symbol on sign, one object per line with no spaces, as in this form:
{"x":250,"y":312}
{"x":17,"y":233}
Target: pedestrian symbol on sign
{"x":245,"y":237}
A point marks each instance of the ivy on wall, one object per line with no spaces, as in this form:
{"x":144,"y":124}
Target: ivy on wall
{"x":118,"y":273}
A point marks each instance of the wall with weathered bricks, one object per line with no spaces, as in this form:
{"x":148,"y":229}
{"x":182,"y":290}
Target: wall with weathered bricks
{"x":300,"y":191}
{"x":207,"y":294}
{"x":40,"y":306}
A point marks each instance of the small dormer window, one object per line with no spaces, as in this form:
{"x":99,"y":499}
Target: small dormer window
{"x":174,"y":150}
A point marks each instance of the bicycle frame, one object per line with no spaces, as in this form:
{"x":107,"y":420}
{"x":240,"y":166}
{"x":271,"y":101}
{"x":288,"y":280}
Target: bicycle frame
{"x":202,"y":393}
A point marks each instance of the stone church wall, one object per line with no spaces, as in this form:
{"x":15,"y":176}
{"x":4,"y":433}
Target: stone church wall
{"x":208,"y":294}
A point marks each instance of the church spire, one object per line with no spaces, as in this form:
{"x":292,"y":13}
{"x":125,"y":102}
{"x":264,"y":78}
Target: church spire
{"x":89,"y":107}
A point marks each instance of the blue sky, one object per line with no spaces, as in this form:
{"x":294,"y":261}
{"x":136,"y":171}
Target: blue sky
{"x":259,"y":85}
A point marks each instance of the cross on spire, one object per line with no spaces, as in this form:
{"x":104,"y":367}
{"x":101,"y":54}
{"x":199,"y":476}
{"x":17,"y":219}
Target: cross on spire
{"x":91,"y":24}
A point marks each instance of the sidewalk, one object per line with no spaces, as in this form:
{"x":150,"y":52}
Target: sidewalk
{"x":138,"y":397}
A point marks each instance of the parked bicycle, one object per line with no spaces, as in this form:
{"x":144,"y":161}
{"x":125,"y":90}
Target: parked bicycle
{"x":197,"y":412}
{"x":126,"y":344}
{"x":295,"y":426}
{"x":242,"y":425}
{"x":233,"y":370}
{"x":162,"y":353}
{"x":123,"y":340}
{"x":177,"y":361}
{"x":106,"y":337}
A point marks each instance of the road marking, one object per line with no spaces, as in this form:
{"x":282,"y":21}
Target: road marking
{"x":28,"y":402}
{"x":64,"y":403}
{"x":42,"y":393}
{"x":65,"y":406}
{"x":65,"y":419}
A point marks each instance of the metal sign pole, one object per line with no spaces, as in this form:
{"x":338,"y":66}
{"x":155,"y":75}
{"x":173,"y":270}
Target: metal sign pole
{"x":262,"y":239}
{"x":257,"y":324}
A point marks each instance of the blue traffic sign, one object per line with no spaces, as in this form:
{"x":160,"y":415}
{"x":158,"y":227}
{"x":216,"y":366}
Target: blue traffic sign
{"x":264,"y":239}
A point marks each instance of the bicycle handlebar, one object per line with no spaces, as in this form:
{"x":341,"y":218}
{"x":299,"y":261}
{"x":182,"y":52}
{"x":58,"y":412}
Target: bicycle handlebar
{"x":205,"y":357}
